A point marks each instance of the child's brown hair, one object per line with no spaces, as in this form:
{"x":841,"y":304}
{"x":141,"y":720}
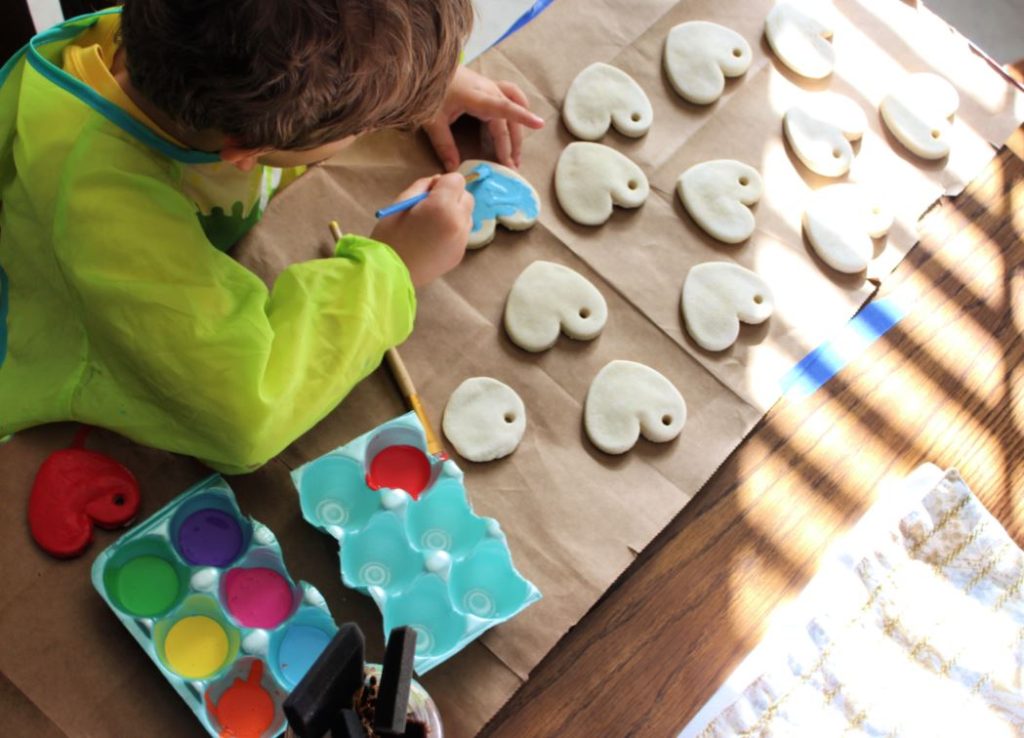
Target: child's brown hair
{"x":294,"y":74}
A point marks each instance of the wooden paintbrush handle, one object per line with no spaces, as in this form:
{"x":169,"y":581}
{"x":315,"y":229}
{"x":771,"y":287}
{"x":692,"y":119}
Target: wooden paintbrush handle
{"x":401,"y":375}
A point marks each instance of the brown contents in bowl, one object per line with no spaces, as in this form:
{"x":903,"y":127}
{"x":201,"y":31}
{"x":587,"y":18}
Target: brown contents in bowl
{"x":365,"y":704}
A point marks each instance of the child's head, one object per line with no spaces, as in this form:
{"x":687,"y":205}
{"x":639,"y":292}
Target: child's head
{"x":294,"y":75}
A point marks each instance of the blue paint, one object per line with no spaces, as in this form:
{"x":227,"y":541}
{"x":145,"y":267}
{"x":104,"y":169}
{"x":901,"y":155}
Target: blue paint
{"x":4,"y":304}
{"x":819,"y":366}
{"x":499,"y":195}
{"x":300,"y":647}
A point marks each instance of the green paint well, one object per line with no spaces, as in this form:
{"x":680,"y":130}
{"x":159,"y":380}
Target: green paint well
{"x":146,"y":586}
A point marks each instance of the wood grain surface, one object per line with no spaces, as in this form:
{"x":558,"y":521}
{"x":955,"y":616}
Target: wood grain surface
{"x":945,"y":385}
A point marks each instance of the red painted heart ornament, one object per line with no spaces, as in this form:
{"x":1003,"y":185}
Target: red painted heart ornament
{"x":75,"y":489}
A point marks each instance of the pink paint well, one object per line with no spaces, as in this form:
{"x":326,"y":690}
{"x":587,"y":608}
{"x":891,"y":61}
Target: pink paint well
{"x":257,"y":597}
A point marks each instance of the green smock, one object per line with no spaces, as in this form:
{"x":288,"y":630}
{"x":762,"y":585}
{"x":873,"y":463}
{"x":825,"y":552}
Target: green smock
{"x":118,"y":310}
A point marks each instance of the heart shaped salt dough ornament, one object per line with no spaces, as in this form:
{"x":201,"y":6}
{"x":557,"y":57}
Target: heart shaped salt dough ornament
{"x":603,"y":96}
{"x":627,"y":399}
{"x":918,"y":113}
{"x":840,"y":222}
{"x":799,"y":34}
{"x":548,"y":298}
{"x":820,"y":132}
{"x":73,"y":490}
{"x":484,"y":419}
{"x":500,"y":195}
{"x":590,"y":178}
{"x":717,"y":195}
{"x":699,"y":56}
{"x":717,"y":295}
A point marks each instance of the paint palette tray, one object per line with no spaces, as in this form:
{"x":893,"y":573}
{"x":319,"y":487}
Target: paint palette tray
{"x":411,"y":541}
{"x":205,"y":592}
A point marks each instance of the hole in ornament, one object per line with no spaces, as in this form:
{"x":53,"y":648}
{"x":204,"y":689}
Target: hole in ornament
{"x":936,"y":134}
{"x":584,"y":313}
{"x":636,"y":117}
{"x":744,"y":181}
{"x":836,"y":153}
{"x":633,"y":184}
{"x":737,"y":53}
{"x":666,"y":420}
{"x":119,"y":500}
{"x":758,"y":299}
{"x":510,"y":417}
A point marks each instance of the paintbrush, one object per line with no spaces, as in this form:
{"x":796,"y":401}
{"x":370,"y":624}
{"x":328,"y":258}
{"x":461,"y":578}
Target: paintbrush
{"x":403,"y":205}
{"x":401,"y":375}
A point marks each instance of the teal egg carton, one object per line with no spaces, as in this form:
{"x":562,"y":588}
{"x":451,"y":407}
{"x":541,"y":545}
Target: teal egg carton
{"x":205,"y":592}
{"x":410,"y":539}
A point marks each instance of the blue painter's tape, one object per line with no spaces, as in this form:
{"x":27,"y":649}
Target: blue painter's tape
{"x":5,"y":302}
{"x":819,"y":366}
{"x":525,"y":18}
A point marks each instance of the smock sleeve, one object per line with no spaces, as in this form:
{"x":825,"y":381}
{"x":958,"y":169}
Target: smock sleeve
{"x":189,"y":351}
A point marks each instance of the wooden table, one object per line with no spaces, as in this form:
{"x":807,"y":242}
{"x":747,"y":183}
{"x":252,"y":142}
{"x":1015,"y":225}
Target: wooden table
{"x":945,"y":385}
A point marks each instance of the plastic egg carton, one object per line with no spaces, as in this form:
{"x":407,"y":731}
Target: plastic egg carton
{"x":409,"y":539}
{"x":205,"y":592}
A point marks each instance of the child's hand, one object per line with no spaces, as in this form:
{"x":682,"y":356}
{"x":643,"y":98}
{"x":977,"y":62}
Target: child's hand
{"x":431,"y":237}
{"x":501,"y":105}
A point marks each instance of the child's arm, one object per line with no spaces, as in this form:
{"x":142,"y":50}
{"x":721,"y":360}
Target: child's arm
{"x":188,"y":351}
{"x":501,"y":105}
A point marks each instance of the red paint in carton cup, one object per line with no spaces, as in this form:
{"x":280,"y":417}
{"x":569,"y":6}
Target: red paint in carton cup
{"x":400,"y":467}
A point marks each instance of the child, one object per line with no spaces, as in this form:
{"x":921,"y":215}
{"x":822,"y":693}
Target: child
{"x":137,"y":145}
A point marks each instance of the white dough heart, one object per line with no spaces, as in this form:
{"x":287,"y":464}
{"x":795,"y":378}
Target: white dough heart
{"x":590,"y":178}
{"x":917,"y":112}
{"x":547,"y":298}
{"x":820,"y":132}
{"x":503,"y":196}
{"x":627,"y":399}
{"x":603,"y":96}
{"x":840,"y":222}
{"x":717,"y":295}
{"x":699,"y":56}
{"x":484,"y":419}
{"x":717,"y":194}
{"x":798,"y":33}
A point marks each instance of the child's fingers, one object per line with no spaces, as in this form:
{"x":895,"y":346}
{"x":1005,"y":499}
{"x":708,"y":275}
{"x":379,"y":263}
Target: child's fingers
{"x":515,"y":93}
{"x":441,"y":138}
{"x":500,"y":106}
{"x":450,"y":186}
{"x":502,"y":141}
{"x":515,"y":132}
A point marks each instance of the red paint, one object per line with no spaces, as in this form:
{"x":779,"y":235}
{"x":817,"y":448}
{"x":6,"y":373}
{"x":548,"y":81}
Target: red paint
{"x":400,"y":467}
{"x":257,"y":597}
{"x":245,"y":709}
{"x":73,"y":489}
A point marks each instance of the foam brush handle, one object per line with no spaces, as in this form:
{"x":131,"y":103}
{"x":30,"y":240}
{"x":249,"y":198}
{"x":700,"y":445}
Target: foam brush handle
{"x":329,"y":685}
{"x":348,"y":725}
{"x":395,"y":682}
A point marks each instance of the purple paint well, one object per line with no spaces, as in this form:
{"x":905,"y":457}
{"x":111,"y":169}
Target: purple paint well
{"x":210,"y":537}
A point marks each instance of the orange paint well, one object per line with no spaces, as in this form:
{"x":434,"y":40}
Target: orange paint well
{"x":246,"y":709}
